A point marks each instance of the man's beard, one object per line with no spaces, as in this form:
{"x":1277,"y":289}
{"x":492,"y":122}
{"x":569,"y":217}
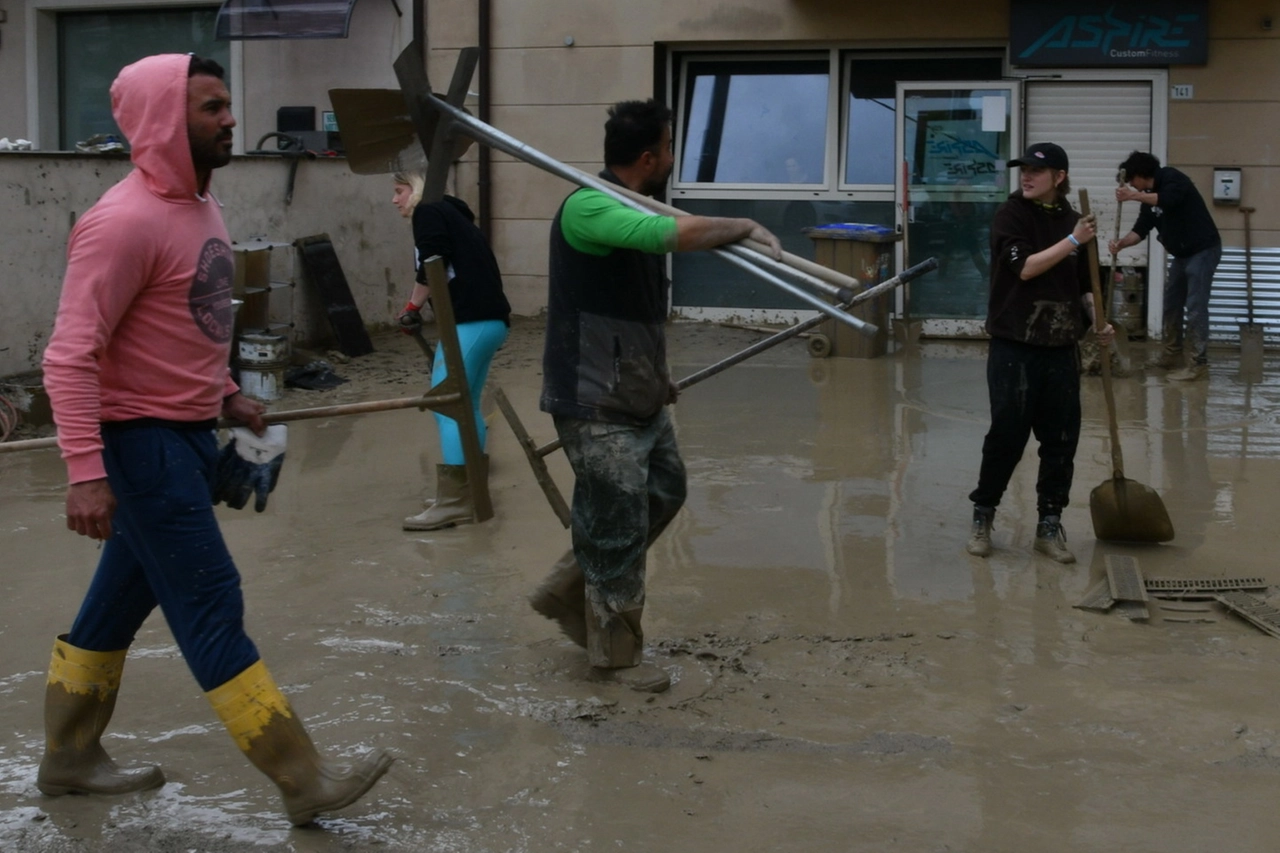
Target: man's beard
{"x":212,"y":155}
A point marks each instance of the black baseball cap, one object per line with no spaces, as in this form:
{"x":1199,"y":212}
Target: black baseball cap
{"x":1045,"y":155}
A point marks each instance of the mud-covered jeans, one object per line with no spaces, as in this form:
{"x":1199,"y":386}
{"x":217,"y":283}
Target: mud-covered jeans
{"x":166,"y":548}
{"x":1187,"y":289}
{"x":1032,"y":389}
{"x":630,"y":483}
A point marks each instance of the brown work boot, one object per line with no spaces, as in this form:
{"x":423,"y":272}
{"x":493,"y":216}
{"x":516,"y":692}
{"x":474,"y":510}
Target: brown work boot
{"x":453,"y":504}
{"x":980,"y":539}
{"x":1167,"y":360}
{"x":1051,"y":540}
{"x":1190,"y":373}
{"x":562,"y":598}
{"x":615,"y":644}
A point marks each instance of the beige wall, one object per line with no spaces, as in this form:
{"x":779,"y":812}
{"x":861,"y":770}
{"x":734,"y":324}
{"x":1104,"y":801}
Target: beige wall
{"x":1234,"y":118}
{"x":553,"y":96}
{"x":40,"y":193}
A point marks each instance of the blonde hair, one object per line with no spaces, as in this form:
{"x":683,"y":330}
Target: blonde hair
{"x":415,"y":180}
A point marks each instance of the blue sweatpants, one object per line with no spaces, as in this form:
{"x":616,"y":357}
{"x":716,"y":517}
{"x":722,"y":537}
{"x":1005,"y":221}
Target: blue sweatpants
{"x":478,"y":342}
{"x":166,"y":548}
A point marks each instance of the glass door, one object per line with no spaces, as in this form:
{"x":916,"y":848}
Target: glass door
{"x":954,"y":140}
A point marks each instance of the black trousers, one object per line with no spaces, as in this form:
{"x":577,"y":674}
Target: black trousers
{"x":1033,"y":390}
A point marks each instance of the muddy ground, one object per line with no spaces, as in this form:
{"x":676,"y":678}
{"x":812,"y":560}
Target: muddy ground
{"x":845,"y":676}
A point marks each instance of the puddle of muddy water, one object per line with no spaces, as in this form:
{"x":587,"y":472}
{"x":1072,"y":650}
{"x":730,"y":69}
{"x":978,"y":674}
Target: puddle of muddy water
{"x":845,"y":676}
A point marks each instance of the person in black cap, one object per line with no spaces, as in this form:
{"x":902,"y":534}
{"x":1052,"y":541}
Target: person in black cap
{"x":1039,"y":283}
{"x":1172,"y":205}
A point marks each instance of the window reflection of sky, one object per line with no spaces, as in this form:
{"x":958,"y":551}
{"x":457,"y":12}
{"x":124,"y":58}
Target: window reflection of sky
{"x":773,"y":129}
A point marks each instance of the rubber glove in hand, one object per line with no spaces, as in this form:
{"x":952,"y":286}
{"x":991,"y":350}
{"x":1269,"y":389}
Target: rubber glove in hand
{"x":250,"y":465}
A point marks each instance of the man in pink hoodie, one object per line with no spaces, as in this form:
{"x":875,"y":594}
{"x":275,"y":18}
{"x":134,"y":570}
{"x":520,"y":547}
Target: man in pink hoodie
{"x":137,"y":374}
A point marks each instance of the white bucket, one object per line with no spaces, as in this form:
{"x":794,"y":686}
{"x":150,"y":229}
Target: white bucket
{"x":264,"y":385}
{"x":262,"y":359}
{"x":258,"y":350}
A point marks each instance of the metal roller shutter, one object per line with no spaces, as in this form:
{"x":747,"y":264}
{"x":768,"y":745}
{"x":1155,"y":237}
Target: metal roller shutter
{"x":1098,"y":123}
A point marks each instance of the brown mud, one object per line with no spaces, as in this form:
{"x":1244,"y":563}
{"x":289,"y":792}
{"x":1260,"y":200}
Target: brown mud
{"x":844,"y":676}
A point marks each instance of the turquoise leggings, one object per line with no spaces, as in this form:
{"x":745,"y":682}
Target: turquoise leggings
{"x":478,"y":341}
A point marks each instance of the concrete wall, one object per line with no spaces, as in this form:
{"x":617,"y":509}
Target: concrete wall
{"x":41,"y":193}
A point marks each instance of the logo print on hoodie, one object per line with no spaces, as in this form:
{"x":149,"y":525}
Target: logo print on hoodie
{"x":210,"y":296}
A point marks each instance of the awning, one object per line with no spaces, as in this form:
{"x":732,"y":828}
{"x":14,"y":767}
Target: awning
{"x":283,"y":19}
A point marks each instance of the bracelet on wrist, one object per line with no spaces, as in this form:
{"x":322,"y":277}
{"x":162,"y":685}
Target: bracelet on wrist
{"x":1073,"y":239}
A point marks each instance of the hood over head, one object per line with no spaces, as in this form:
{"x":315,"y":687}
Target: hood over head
{"x":149,"y":102}
{"x":461,"y":207}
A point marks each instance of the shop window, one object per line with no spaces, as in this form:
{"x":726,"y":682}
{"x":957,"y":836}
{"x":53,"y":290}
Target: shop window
{"x":94,"y":46}
{"x":754,"y":122}
{"x":871,"y":110}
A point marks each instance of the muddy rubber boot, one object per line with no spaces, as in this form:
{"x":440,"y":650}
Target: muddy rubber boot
{"x":615,"y":646}
{"x":1051,"y":540}
{"x":453,"y":503}
{"x":562,"y":598}
{"x":269,"y":733}
{"x":1190,"y":373}
{"x":79,"y":699}
{"x":1168,"y":359}
{"x":980,"y":538}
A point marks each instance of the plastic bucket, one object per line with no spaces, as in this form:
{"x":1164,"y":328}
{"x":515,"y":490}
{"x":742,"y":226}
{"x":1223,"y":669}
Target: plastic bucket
{"x":262,"y":359}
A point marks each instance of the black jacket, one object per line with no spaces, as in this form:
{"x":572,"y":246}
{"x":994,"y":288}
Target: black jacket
{"x":1046,"y":310}
{"x":1181,"y":217}
{"x":447,"y":228}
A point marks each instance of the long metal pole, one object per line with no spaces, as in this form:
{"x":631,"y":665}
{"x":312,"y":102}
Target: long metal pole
{"x":755,"y":263}
{"x":786,"y":334}
{"x":282,"y":417}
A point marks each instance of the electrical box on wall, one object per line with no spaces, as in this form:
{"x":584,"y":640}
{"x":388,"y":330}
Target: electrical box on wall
{"x":1226,"y":185}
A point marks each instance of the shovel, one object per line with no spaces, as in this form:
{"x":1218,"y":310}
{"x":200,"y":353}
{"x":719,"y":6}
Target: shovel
{"x":1122,"y":334}
{"x":1123,"y":510}
{"x":1251,"y":342}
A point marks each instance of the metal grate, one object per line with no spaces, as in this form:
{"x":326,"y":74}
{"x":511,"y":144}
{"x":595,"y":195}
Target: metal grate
{"x":1125,"y":578}
{"x":1253,"y":610}
{"x":1098,"y":597}
{"x":1205,"y":588}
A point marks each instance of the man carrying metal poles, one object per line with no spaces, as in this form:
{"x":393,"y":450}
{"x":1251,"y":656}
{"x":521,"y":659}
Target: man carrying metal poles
{"x":606,"y":383}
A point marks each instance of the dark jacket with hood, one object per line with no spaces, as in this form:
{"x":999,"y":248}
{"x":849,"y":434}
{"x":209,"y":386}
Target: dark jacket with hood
{"x":447,"y":228}
{"x":1046,"y":310}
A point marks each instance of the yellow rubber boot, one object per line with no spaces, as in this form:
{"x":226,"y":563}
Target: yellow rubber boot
{"x":269,"y":733}
{"x":79,"y":699}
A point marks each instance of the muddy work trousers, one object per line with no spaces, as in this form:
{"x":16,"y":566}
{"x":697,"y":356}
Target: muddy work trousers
{"x":166,"y":548}
{"x":1186,"y":291}
{"x":629,"y":484}
{"x":1033,"y":390}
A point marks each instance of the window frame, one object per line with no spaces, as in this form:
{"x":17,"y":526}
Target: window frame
{"x":43,"y":119}
{"x":681,"y":63}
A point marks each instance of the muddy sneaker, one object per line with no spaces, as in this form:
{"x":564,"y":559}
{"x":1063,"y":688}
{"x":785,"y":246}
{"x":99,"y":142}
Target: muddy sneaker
{"x":1051,"y":540}
{"x":643,"y":678}
{"x":1191,"y":373}
{"x":980,"y":539}
{"x":1166,"y":360}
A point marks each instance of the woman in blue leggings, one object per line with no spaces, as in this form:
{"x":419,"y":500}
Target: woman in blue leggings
{"x":447,"y":228}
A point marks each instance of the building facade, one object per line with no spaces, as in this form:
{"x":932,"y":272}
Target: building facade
{"x":798,"y":113}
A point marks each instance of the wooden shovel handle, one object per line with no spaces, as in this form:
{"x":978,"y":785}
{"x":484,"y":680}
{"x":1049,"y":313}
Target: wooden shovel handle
{"x":1104,"y":355}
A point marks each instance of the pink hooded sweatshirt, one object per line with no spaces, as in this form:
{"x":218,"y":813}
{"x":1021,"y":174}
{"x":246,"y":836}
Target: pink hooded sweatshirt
{"x":145,"y":321}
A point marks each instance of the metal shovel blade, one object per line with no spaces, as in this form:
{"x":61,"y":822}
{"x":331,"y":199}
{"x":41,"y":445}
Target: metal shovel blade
{"x":378,"y":133}
{"x":1125,"y":510}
